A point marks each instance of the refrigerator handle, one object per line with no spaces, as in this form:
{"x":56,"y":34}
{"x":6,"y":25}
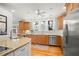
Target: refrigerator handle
{"x":67,"y":34}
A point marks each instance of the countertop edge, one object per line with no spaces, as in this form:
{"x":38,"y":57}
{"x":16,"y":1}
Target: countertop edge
{"x":13,"y":49}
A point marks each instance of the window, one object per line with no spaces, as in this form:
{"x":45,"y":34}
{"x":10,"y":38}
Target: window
{"x":3,"y":25}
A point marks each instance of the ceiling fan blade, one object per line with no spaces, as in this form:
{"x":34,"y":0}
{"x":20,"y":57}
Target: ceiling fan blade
{"x":40,"y":13}
{"x":37,"y":12}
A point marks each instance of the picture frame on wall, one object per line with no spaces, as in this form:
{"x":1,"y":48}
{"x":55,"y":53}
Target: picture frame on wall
{"x":3,"y":25}
{"x":50,"y":25}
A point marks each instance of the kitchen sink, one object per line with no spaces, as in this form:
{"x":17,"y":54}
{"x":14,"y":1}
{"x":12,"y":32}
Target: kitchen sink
{"x":2,"y":48}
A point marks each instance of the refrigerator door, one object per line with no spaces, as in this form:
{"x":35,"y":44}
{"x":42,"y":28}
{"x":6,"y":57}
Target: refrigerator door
{"x":71,"y":39}
{"x":65,"y":36}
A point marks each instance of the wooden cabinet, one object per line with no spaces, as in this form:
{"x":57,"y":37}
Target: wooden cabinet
{"x":71,"y":6}
{"x":59,"y":41}
{"x":33,"y":38}
{"x":43,"y":39}
{"x":23,"y":26}
{"x":39,"y":39}
{"x":75,"y":5}
{"x":62,"y":43}
{"x":60,"y":22}
{"x":22,"y":51}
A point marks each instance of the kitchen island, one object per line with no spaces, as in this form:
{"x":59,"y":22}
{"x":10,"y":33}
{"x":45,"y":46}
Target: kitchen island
{"x":16,"y":47}
{"x":54,"y":38}
{"x":44,"y":37}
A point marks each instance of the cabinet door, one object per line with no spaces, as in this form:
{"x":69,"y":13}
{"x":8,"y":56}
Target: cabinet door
{"x":20,"y":51}
{"x":24,"y":51}
{"x":58,"y":40}
{"x":28,"y":50}
{"x":21,"y":25}
{"x":60,"y":22}
{"x":71,"y":6}
{"x":43,"y":39}
{"x":34,"y":38}
{"x":39,"y":39}
{"x":27,"y":25}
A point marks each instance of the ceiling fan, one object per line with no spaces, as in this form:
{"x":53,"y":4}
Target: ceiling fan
{"x":40,"y":13}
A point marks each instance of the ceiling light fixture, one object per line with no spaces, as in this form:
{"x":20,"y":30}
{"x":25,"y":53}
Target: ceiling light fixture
{"x":12,"y":11}
{"x":64,"y":7}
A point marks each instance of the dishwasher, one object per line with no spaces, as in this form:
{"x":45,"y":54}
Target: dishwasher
{"x":52,"y":40}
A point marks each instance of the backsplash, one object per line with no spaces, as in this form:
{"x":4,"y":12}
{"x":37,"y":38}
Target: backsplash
{"x":43,"y":25}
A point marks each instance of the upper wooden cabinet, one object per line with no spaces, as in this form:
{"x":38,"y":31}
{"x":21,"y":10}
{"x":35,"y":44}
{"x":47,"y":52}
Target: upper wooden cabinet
{"x":60,"y":22}
{"x":71,"y":6}
{"x":24,"y":25}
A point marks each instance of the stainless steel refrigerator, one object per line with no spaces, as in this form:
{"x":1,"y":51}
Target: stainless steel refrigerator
{"x":71,"y":34}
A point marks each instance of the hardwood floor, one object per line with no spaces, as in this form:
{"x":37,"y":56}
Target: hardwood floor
{"x":38,"y":50}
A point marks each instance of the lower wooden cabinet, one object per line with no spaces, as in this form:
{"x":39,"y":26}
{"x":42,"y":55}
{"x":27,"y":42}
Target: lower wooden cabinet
{"x":33,"y":38}
{"x":58,"y":40}
{"x":44,"y":39}
{"x":23,"y":51}
{"x":39,"y":39}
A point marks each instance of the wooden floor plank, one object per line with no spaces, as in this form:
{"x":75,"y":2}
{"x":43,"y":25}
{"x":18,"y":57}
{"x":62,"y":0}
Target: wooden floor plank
{"x":51,"y":51}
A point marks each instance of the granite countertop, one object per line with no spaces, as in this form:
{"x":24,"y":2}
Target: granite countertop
{"x":13,"y":44}
{"x":59,"y":32}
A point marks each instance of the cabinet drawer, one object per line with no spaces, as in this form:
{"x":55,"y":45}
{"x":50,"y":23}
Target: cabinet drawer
{"x":39,"y":39}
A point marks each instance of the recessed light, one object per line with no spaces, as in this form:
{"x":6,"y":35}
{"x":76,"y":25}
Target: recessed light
{"x":64,"y":7}
{"x":12,"y":10}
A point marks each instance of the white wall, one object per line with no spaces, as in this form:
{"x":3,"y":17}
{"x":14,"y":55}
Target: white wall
{"x":40,"y":27}
{"x":55,"y":21}
{"x":55,"y":24}
{"x":9,"y":21}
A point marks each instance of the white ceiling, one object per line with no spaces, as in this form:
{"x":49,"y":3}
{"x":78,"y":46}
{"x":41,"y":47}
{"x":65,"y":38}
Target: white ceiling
{"x":27,"y":10}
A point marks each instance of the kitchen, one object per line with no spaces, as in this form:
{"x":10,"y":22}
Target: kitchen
{"x":34,"y":29}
